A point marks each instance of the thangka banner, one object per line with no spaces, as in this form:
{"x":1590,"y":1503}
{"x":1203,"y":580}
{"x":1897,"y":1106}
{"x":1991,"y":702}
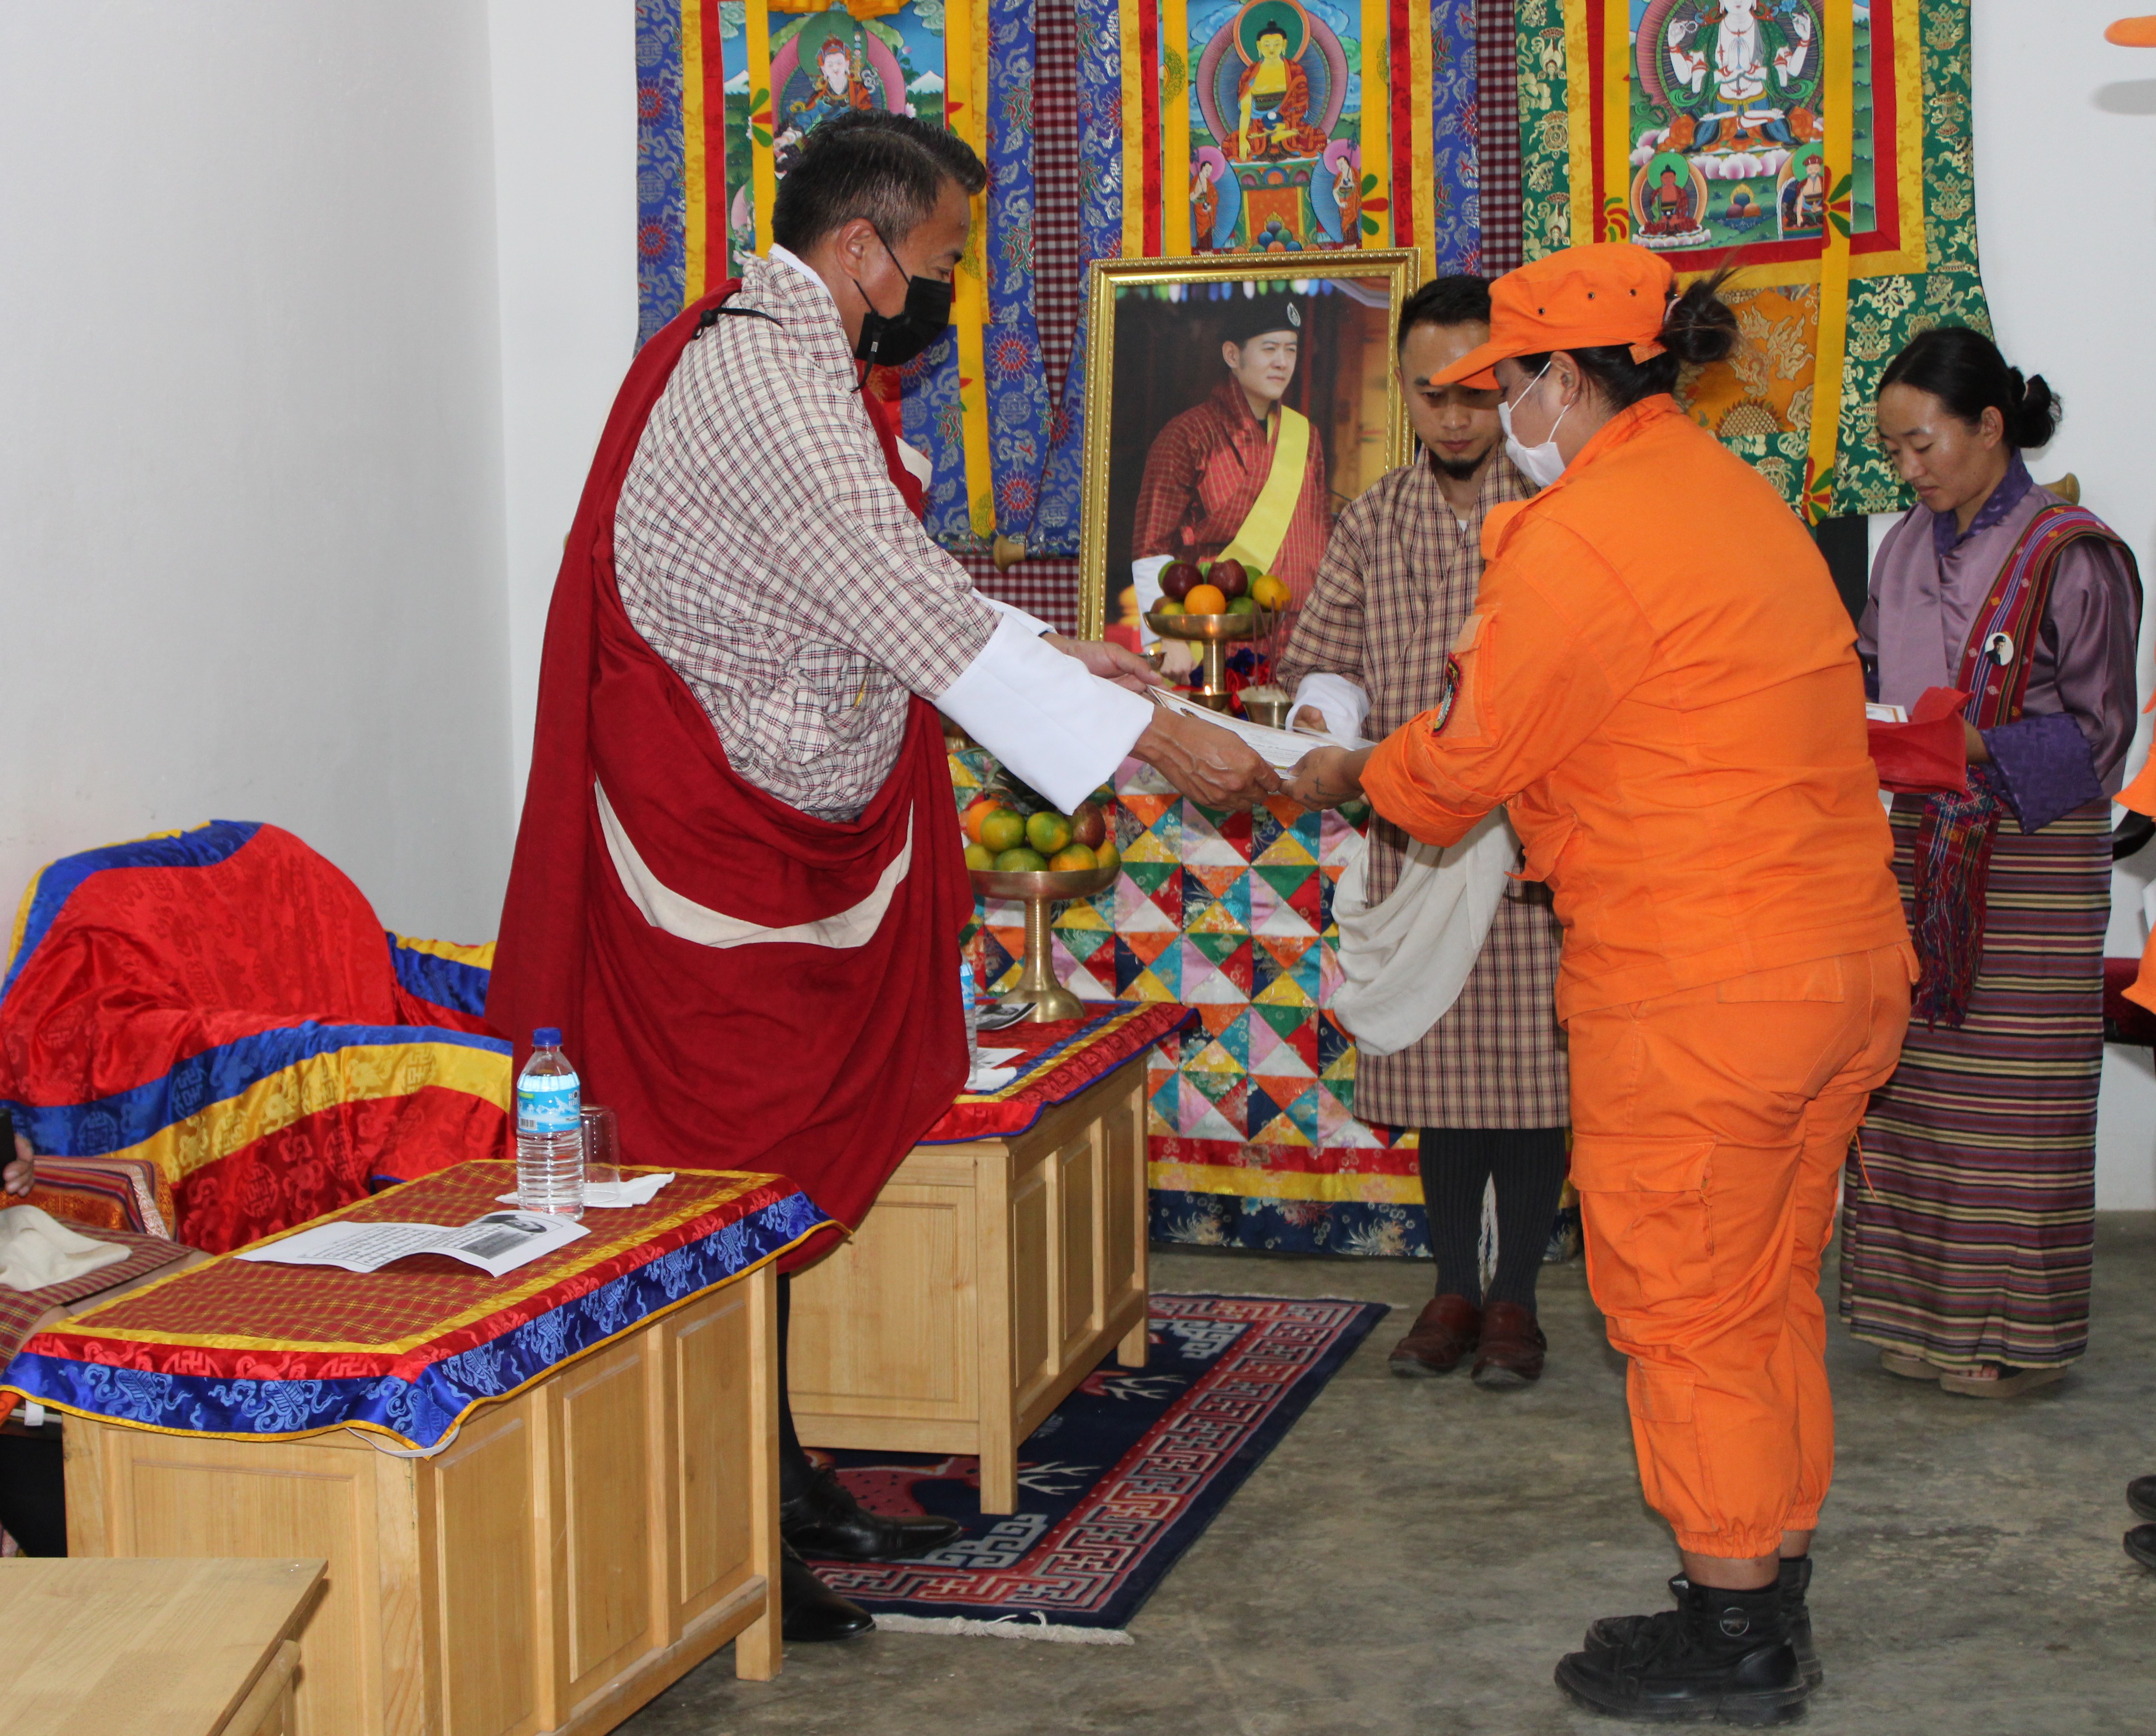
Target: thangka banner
{"x":1200,"y":125}
{"x":1285,"y":125}
{"x":1821,"y":147}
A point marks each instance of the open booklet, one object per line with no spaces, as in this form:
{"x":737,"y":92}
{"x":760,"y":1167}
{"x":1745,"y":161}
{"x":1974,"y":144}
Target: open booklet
{"x":1279,"y":748}
{"x":498,"y":1242}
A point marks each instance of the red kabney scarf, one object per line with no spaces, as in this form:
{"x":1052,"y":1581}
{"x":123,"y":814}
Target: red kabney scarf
{"x":824,"y":1064}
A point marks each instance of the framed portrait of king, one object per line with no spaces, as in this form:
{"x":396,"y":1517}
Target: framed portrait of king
{"x":1234,"y":401}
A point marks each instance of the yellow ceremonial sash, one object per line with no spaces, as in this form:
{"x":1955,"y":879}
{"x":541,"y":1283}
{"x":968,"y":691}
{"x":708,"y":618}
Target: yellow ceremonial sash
{"x":1257,"y":540}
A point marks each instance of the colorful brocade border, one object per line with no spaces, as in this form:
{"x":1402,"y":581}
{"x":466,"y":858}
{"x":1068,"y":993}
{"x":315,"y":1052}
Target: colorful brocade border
{"x":415,"y":1398}
{"x":1058,"y":1071}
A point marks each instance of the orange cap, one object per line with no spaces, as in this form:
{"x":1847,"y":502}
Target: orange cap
{"x":2133,"y":33}
{"x":1583,"y":298}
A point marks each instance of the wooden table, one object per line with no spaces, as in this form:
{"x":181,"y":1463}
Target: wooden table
{"x":153,"y":1648}
{"x":574,"y":1548}
{"x":988,"y":1280}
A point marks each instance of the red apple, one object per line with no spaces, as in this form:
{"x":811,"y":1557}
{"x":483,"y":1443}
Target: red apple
{"x":1089,"y":825}
{"x":1230,"y":576}
{"x":1177,"y":578}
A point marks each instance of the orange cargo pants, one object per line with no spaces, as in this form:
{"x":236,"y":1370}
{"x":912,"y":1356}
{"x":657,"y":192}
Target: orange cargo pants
{"x":1709,"y":1132}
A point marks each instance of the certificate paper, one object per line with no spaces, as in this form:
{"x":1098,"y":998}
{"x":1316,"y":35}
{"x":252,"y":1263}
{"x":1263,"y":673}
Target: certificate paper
{"x":1282,"y":749}
{"x":498,"y":1242}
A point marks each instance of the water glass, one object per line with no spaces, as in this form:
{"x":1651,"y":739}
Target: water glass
{"x":601,"y":1147}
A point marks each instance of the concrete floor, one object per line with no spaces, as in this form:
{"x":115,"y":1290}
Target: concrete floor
{"x":1415,"y":1556}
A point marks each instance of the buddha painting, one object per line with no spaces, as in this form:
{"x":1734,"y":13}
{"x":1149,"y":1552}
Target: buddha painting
{"x":1269,"y":85}
{"x":1273,"y":99}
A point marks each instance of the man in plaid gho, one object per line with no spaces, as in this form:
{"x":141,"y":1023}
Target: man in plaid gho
{"x":765,"y":551}
{"x":1486,"y":1084}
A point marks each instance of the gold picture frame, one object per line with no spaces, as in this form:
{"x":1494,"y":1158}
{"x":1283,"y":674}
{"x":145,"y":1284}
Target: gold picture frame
{"x":1107,"y":482}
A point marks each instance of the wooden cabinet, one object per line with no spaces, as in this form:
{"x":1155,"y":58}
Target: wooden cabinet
{"x":572,"y":1551}
{"x":153,"y":1648}
{"x":987,"y":1281}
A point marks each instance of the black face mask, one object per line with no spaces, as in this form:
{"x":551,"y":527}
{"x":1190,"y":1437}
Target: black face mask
{"x":892,"y":340}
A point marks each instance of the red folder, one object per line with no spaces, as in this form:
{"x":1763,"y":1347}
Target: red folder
{"x":1929,"y":753}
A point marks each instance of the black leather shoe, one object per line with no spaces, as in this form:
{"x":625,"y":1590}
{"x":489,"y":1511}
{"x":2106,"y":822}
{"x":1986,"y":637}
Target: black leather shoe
{"x":2141,"y":1496}
{"x":1718,"y":1654}
{"x":2141,"y":1544}
{"x":825,"y":1520}
{"x":811,"y":1613}
{"x":1795,"y":1580}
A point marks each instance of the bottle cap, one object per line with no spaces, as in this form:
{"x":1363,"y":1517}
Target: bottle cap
{"x":547,"y":1036}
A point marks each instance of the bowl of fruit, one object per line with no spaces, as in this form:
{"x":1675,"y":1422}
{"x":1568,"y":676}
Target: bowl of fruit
{"x":1018,"y":846}
{"x":1216,"y":600}
{"x":1021,"y":846}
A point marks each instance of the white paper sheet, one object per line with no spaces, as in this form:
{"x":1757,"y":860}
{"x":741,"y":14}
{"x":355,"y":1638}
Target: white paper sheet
{"x":633,"y":1190}
{"x":992,"y":1075}
{"x":498,"y":1242}
{"x":1282,"y":749}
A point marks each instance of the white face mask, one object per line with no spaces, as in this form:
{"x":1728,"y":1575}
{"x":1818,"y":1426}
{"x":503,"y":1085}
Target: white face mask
{"x":1541,"y":465}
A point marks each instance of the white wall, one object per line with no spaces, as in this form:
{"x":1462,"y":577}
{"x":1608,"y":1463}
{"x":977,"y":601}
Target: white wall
{"x":251,"y":533}
{"x":565,"y":156}
{"x":2065,"y":179}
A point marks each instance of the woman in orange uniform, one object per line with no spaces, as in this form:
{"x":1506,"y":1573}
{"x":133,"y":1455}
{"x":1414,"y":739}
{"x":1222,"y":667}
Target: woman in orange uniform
{"x":1659,"y":683}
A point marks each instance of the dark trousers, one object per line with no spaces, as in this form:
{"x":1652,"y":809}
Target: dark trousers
{"x":1458,"y":1164}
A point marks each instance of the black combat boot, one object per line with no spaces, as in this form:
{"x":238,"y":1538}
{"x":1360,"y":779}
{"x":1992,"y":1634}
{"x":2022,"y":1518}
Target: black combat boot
{"x":1609,"y":1632}
{"x":1718,"y":1654}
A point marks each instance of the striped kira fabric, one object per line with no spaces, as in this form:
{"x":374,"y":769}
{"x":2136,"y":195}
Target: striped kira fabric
{"x":1968,"y":1227}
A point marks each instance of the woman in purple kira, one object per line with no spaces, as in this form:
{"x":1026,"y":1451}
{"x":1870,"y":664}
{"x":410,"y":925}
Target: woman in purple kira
{"x":1968,"y":1221}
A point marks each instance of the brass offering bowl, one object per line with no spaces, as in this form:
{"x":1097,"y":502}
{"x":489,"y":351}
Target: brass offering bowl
{"x":1214,"y":632}
{"x":1037,"y":980}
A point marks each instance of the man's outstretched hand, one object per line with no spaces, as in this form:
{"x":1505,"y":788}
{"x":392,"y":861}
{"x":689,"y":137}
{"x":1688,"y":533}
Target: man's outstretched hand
{"x":1111,"y":662}
{"x":1326,"y":777}
{"x":1213,"y":767}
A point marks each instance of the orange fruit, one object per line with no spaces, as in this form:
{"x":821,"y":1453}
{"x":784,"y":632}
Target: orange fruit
{"x":978,"y":855}
{"x":1002,"y":830}
{"x":1047,"y":832}
{"x":1020,"y":861}
{"x":1270,"y":592}
{"x":1205,"y":600}
{"x":1107,"y":855}
{"x":1073,"y":858}
{"x":978,"y":809}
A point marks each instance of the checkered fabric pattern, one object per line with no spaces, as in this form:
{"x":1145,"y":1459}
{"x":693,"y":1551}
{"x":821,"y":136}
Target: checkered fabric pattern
{"x":1498,"y":113}
{"x":1058,"y":283}
{"x":1399,"y":579}
{"x":763,"y":552}
{"x":1046,"y":585}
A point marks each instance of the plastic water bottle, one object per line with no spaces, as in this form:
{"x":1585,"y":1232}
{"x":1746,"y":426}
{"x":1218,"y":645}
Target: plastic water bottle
{"x":969,"y":998}
{"x":550,"y":1132}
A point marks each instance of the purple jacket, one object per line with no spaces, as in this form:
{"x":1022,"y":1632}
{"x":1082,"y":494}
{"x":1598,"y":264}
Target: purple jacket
{"x":2077,"y":716}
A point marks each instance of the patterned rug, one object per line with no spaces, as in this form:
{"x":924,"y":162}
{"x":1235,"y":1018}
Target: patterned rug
{"x":1115,"y":1486}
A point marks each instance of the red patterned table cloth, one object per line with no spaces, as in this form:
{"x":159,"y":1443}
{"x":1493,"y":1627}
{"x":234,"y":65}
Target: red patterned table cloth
{"x":1061,"y":1059}
{"x":236,"y":1347}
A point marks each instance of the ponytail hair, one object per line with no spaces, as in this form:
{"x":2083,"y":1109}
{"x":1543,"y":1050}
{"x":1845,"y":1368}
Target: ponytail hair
{"x":1964,"y":371}
{"x":1698,"y":327}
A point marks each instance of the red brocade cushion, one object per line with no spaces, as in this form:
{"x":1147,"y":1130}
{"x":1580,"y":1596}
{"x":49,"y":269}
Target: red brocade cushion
{"x":223,"y":1002}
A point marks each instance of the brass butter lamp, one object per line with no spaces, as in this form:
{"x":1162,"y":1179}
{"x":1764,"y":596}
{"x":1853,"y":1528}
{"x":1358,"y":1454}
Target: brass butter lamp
{"x":1215,"y":632}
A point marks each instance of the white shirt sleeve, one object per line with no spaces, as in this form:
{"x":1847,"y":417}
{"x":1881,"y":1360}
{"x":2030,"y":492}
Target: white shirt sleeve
{"x":1342,"y":703}
{"x":1058,"y":727}
{"x":1033,"y":623}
